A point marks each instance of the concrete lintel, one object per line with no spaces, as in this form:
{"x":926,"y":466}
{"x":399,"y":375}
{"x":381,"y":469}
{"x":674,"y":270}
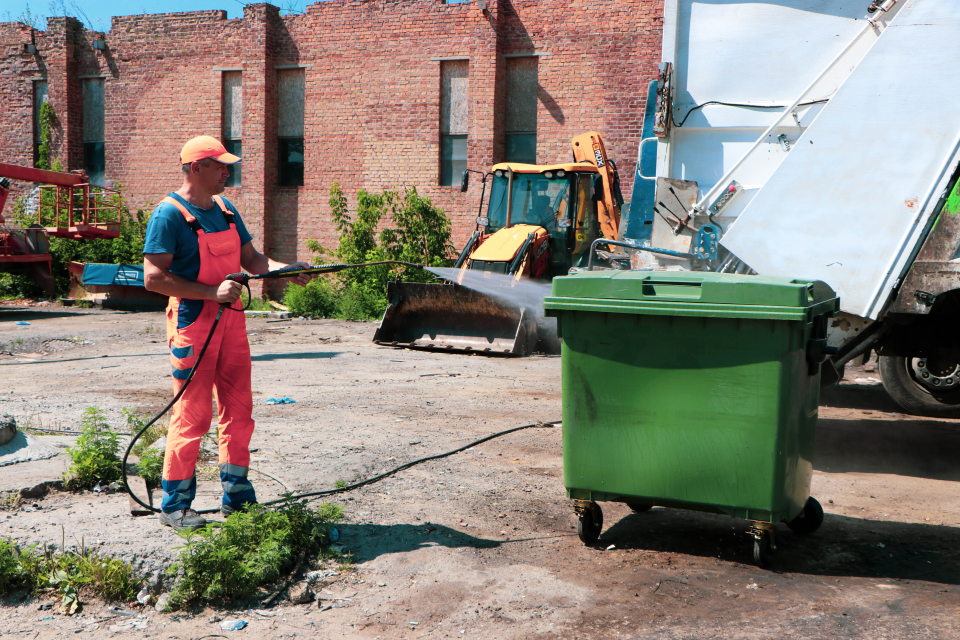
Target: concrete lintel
{"x":281,"y":67}
{"x":228,"y":68}
{"x":447,"y":58}
{"x":539,"y":54}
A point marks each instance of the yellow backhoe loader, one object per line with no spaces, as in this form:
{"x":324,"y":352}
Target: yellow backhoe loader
{"x":540,"y":223}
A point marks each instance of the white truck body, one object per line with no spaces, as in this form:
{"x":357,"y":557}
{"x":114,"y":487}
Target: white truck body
{"x":843,"y":187}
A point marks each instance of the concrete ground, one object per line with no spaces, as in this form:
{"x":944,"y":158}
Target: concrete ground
{"x":483,"y":543}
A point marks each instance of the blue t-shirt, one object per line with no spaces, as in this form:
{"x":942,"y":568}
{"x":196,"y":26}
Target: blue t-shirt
{"x":168,"y":232}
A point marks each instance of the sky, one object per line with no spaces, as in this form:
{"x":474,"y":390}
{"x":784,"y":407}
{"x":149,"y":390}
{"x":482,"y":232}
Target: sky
{"x":96,"y":14}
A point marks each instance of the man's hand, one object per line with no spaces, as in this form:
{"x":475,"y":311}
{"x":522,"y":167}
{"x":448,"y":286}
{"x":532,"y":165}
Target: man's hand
{"x":303,"y":278}
{"x":229,"y":292}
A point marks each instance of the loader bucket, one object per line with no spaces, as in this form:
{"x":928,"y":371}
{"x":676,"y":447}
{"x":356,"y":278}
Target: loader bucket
{"x":450,"y":317}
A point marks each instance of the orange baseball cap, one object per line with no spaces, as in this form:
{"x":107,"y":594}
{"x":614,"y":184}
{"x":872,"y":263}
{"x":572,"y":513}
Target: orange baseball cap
{"x":206,"y":147}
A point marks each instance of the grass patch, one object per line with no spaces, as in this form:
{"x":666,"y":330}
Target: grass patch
{"x":248,"y":550}
{"x":94,"y":457}
{"x":10,"y":501}
{"x":68,"y":574}
{"x":340,"y":484}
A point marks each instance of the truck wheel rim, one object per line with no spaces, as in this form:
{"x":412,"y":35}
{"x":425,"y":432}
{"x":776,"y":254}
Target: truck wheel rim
{"x":935,"y":373}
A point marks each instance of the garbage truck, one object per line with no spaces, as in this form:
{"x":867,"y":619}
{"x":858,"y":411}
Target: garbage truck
{"x":816,"y":139}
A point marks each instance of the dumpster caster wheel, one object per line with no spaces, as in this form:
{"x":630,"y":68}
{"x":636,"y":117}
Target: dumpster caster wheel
{"x":589,"y":523}
{"x":762,"y":551}
{"x":638,"y":507}
{"x":809,"y":520}
{"x":764,"y":542}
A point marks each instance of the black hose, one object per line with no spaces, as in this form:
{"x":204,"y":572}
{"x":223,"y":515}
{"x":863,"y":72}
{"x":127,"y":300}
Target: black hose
{"x":329,"y":492}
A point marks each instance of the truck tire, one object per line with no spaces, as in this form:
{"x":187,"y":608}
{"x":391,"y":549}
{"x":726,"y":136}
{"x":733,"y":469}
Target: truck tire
{"x":916,"y":396}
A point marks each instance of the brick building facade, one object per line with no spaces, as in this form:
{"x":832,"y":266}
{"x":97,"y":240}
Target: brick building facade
{"x":371,"y":96}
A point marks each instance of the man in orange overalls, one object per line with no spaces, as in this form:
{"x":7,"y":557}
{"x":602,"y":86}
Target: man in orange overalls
{"x":193,"y":240}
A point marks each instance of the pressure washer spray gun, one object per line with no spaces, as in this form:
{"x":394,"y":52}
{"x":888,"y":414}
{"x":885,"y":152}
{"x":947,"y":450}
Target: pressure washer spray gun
{"x":289,"y":272}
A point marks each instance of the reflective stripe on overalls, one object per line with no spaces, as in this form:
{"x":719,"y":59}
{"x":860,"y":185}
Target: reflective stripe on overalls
{"x":224,"y":375}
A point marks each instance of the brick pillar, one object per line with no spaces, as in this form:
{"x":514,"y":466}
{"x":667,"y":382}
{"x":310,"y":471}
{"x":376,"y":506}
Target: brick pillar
{"x":64,"y":92}
{"x":259,"y":120}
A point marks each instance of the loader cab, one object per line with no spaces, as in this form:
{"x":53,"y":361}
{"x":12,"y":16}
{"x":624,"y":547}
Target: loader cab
{"x":558,"y":198}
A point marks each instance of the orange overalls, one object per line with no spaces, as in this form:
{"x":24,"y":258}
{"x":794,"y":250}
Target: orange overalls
{"x":224,"y":372}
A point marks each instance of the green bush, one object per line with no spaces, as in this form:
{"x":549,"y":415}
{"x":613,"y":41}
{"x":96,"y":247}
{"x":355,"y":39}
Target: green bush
{"x":411,"y":229}
{"x":94,"y":457}
{"x":11,"y":574}
{"x":249,"y":549}
{"x":318,"y":299}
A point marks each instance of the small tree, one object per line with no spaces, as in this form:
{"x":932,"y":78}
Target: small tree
{"x":419,"y":233}
{"x":47,"y":119}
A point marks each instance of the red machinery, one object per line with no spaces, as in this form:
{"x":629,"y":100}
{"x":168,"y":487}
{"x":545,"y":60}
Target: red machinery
{"x":68,"y":207}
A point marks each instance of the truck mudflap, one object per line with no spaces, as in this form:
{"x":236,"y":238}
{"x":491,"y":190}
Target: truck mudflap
{"x":451,"y":317}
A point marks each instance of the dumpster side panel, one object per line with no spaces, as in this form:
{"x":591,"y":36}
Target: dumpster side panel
{"x":685,"y":410}
{"x":800,"y":394}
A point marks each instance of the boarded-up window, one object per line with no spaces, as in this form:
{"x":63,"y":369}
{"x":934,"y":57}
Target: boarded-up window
{"x":454,"y":112}
{"x":233,"y":121}
{"x":291,"y":91}
{"x":39,"y":97}
{"x":94,"y":157}
{"x":521,"y":116}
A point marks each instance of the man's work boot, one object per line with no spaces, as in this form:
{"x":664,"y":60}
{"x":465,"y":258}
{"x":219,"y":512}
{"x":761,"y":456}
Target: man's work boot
{"x":183,"y":520}
{"x":227,"y":510}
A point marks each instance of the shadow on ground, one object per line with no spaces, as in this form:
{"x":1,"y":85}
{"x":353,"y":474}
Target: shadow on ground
{"x":17,"y":314}
{"x":843,"y":546}
{"x":921,"y":448}
{"x":369,"y":541}
{"x":871,"y":397}
{"x":309,"y":355}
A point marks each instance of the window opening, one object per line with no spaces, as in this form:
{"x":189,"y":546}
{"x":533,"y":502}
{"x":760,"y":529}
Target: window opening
{"x":454,"y":112}
{"x":291,"y":91}
{"x":521,"y":111}
{"x":233,"y":122}
{"x":94,"y":155}
{"x":39,"y":97}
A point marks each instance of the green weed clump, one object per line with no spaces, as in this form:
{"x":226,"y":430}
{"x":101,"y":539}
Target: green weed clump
{"x":94,"y":457}
{"x":386,"y":226}
{"x":68,"y":574}
{"x":150,"y":467}
{"x":11,"y":573}
{"x":318,"y":299}
{"x":250,"y":549}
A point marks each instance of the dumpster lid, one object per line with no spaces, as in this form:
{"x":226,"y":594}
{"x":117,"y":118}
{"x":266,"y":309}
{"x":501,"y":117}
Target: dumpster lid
{"x":724,"y":293}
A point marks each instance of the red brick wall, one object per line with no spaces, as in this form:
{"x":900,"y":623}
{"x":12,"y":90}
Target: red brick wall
{"x":18,"y":70}
{"x":372,"y":95}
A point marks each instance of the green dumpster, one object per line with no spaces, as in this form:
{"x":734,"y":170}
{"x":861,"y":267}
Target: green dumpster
{"x":692,"y":390}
